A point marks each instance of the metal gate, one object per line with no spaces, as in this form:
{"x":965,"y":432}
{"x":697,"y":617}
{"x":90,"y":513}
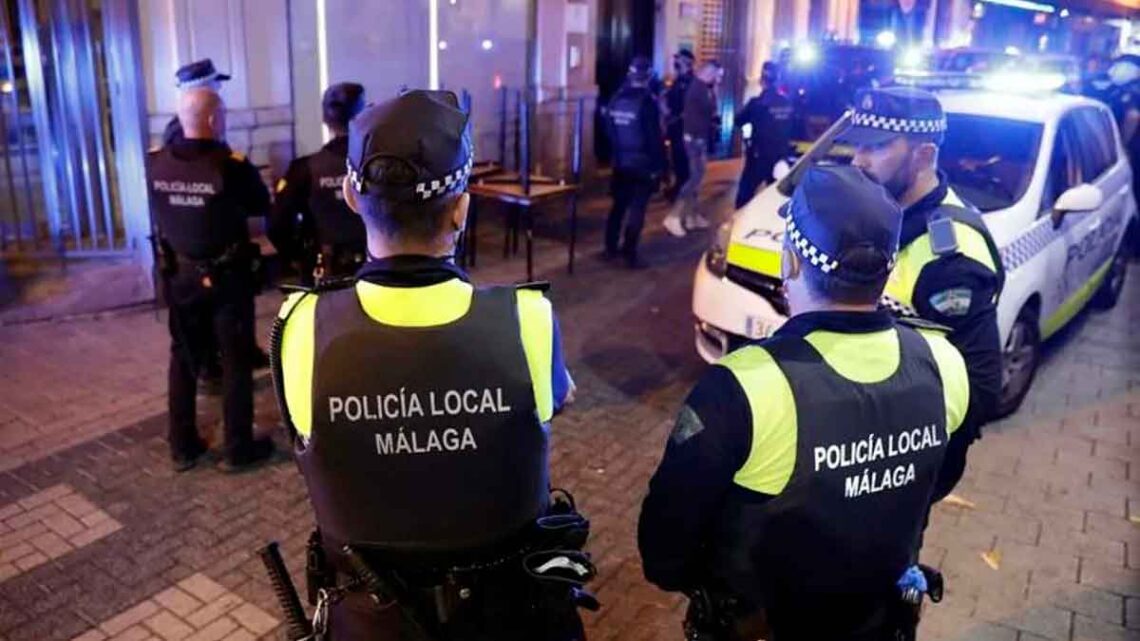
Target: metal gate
{"x":58,"y":188}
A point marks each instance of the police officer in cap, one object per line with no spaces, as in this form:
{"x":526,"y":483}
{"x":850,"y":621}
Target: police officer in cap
{"x":949,"y":270}
{"x":795,"y":483}
{"x":311,"y":223}
{"x":634,"y":124}
{"x":199,"y":74}
{"x":201,"y":194}
{"x":766,"y":126}
{"x":421,"y":405}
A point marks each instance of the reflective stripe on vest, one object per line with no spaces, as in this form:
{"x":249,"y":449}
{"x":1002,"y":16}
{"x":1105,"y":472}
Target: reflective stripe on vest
{"x":433,"y":428}
{"x":410,"y":307}
{"x":972,"y":243}
{"x":865,"y":453}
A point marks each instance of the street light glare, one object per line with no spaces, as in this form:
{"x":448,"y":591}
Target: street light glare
{"x":488,"y":45}
{"x":886,"y":39}
{"x":806,"y":54}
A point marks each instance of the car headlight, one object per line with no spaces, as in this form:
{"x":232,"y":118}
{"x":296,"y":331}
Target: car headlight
{"x":716,"y":259}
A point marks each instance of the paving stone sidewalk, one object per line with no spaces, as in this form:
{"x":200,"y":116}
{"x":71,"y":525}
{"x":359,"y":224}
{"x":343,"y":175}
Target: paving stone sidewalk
{"x":101,"y":539}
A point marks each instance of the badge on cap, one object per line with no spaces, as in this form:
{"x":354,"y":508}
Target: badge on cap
{"x":868,"y":103}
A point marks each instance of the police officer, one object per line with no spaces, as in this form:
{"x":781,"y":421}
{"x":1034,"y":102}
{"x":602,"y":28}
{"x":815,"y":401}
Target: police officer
{"x":201,"y":193}
{"x":195,"y":75}
{"x":634,"y":124}
{"x":766,"y":126}
{"x":949,"y":270}
{"x":421,"y":406}
{"x":794,"y":485}
{"x":683,"y":63}
{"x":311,"y":224}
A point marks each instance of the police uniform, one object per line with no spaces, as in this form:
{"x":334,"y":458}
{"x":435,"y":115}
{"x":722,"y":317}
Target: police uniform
{"x":766,"y":127}
{"x":634,"y":124}
{"x":311,"y":223}
{"x":675,"y":124}
{"x":949,"y":270}
{"x":201,"y":195}
{"x":421,"y":408}
{"x":200,"y":73}
{"x":795,"y":483}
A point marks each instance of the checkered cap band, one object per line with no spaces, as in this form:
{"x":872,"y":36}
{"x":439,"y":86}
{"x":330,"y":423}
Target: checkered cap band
{"x":897,"y":308}
{"x":455,"y":181}
{"x":809,"y":251}
{"x":898,"y":125}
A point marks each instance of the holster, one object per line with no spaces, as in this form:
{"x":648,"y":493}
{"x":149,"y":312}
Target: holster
{"x":319,"y":575}
{"x":546,"y":572}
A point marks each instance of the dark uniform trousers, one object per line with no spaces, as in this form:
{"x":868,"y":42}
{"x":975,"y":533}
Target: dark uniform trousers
{"x":632,"y":191}
{"x":200,"y":318}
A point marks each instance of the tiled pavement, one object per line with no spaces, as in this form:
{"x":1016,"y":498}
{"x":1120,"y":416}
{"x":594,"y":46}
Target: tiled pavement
{"x":1042,"y":542}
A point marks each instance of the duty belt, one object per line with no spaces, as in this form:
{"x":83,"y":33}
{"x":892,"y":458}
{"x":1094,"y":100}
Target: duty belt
{"x":430,"y":599}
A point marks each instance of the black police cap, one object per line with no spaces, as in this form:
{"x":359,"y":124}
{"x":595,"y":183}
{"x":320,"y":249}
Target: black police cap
{"x":686,"y":54}
{"x":413,"y":148}
{"x":198,"y":73}
{"x":341,"y":102}
{"x":837,"y":210}
{"x":881,"y":115}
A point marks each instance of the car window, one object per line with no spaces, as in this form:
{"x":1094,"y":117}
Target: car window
{"x":989,"y":161}
{"x":1097,"y":149}
{"x":1065,"y":166}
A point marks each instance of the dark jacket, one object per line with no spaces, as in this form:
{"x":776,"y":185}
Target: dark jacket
{"x":700,"y":110}
{"x":633,"y":122}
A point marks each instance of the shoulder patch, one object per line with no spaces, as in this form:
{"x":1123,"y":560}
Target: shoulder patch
{"x":237,"y":155}
{"x":688,"y":425}
{"x":952,"y":302}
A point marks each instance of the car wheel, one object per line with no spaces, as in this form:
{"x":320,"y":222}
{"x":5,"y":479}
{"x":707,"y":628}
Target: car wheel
{"x":1109,"y":292}
{"x":1019,"y":361}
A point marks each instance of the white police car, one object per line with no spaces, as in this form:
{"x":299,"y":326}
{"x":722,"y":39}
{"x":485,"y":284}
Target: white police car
{"x":1052,"y":179}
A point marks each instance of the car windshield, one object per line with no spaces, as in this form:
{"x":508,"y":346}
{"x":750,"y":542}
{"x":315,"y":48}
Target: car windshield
{"x":988,"y":161}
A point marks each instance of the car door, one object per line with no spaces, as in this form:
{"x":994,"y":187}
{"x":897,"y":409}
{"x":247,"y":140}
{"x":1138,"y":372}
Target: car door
{"x":1058,"y":277}
{"x":1099,"y":167}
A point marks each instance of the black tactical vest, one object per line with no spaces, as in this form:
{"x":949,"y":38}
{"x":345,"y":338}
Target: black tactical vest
{"x":423,"y":438}
{"x":844,"y":529}
{"x":336,"y":224}
{"x":631,"y":149}
{"x":771,"y":126}
{"x":189,"y":202}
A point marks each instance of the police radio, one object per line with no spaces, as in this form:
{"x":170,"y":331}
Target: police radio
{"x":943,"y":238}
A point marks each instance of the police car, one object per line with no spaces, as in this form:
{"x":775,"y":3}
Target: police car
{"x":1052,"y":179}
